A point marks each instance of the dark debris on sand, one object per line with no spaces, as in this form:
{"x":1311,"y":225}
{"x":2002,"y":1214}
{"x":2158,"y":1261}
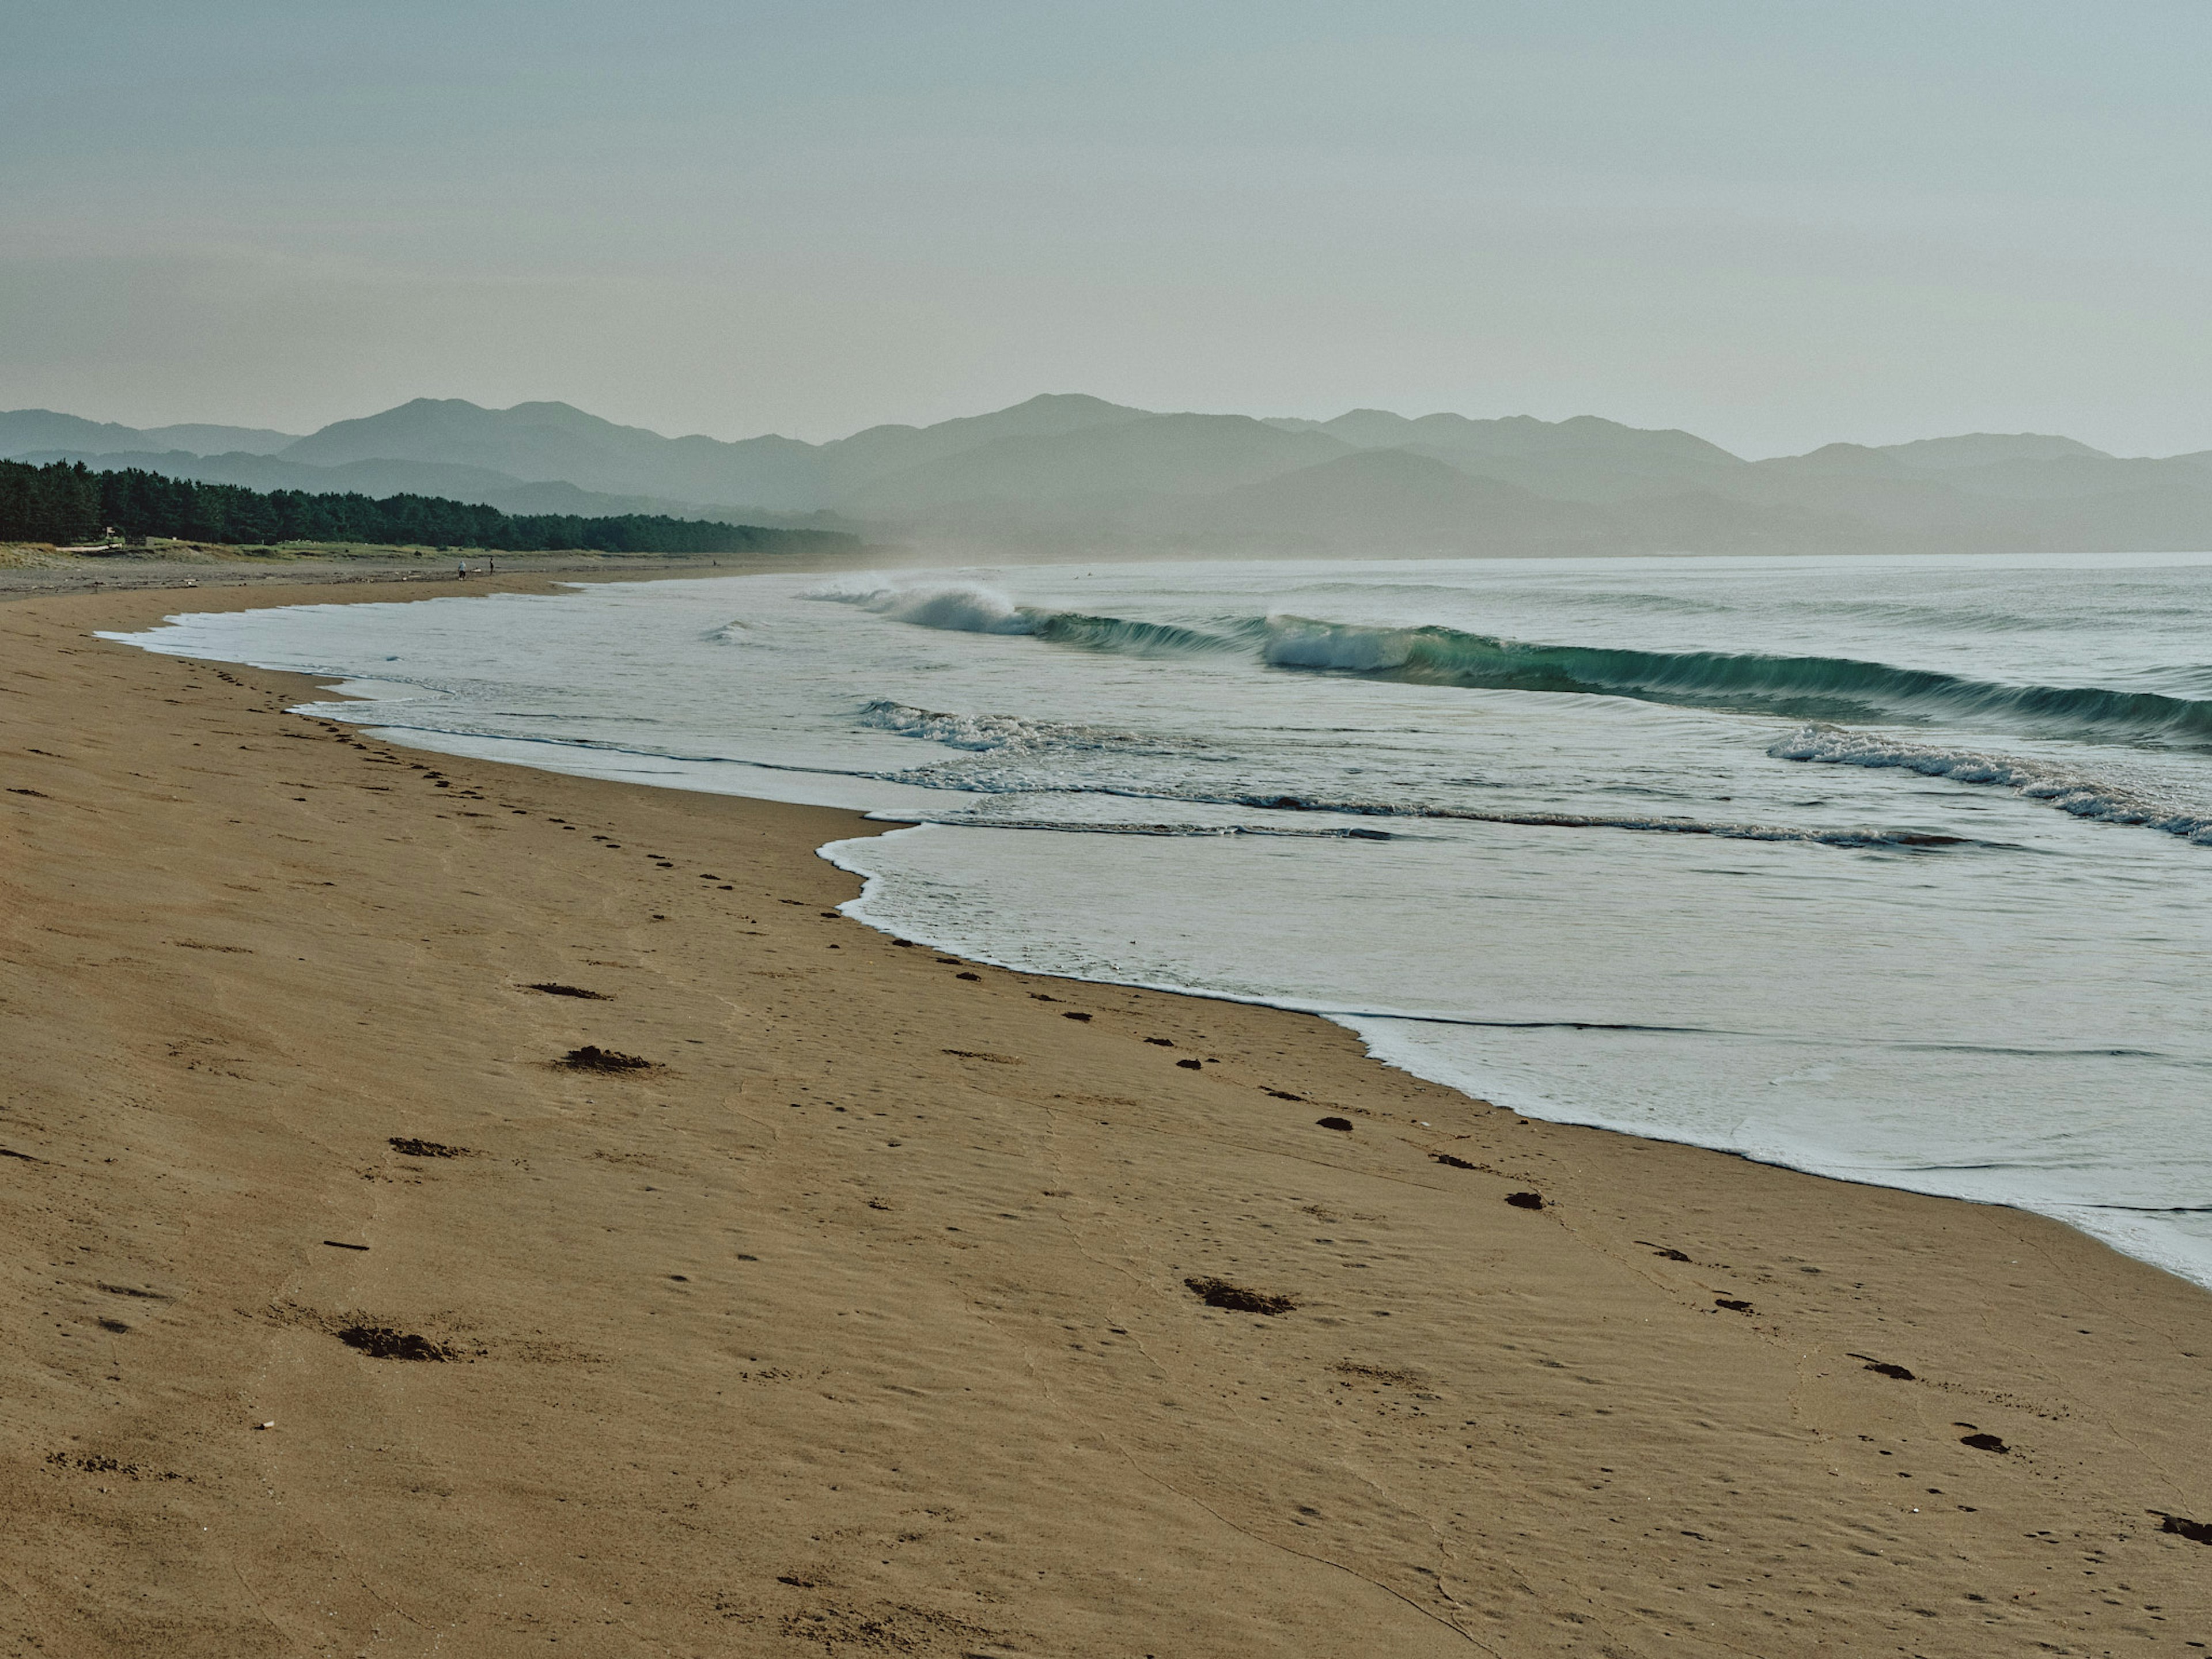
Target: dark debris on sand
{"x":1525,"y":1200}
{"x":592,"y":1058}
{"x":1220,"y":1293}
{"x":1883,"y":1368}
{"x":554,"y":988}
{"x":409,"y":1147}
{"x":382,"y":1342}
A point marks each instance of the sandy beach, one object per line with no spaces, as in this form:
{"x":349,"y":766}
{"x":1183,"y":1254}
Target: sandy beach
{"x":898,"y":1305}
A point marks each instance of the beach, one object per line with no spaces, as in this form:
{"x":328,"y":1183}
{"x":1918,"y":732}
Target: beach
{"x":902,"y":1305}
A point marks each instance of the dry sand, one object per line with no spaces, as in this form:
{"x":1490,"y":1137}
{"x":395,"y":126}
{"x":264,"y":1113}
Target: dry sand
{"x":862,"y":1322}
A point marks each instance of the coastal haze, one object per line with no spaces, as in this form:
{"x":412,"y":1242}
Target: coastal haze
{"x":1076,"y":473}
{"x":1775,"y":227}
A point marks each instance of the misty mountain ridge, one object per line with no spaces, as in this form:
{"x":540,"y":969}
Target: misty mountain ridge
{"x":24,"y":430}
{"x":1067,"y":471}
{"x":555,"y":442}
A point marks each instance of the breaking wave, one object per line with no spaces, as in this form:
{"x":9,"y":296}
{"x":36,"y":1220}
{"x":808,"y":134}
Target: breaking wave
{"x":968,"y":607}
{"x":1806,"y":688}
{"x":961,"y":608}
{"x":2067,"y":788}
{"x":1809,"y":688}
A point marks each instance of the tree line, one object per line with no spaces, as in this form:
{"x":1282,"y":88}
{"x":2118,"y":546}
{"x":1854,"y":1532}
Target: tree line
{"x":66,"y":502}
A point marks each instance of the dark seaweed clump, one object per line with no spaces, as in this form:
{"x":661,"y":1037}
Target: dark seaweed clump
{"x":1883,"y":1368}
{"x":382,"y":1342}
{"x":1220,"y":1293}
{"x":592,"y":1058}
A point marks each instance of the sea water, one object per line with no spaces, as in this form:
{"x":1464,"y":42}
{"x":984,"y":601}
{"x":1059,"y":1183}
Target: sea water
{"x":1894,"y":869}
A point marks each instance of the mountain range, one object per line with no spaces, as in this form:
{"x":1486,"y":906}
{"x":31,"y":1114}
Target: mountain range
{"x":1070,"y":472}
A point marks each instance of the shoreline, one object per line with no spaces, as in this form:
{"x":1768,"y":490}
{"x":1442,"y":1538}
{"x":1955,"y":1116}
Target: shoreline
{"x":932,"y":1377}
{"x":133,"y":573}
{"x":886,"y":822}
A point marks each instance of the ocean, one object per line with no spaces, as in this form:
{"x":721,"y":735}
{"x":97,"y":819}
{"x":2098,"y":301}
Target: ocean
{"x":1893,"y":869}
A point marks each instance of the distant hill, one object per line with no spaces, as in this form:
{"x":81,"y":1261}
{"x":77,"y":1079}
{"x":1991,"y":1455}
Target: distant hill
{"x":1396,"y":498}
{"x":24,"y":430}
{"x":531,"y":442}
{"x":1173,"y":454}
{"x":1521,"y":435}
{"x":1067,"y":471}
{"x":848,"y":464}
{"x":1989,"y":449}
{"x":553,"y":442}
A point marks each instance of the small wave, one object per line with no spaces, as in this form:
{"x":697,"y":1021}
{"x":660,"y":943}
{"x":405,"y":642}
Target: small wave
{"x":1268,"y":801}
{"x":1010,"y":734}
{"x":1173,"y":831}
{"x":1638,"y":822}
{"x":2069,"y":790}
{"x":736,"y":632}
{"x":1476,"y":1023}
{"x":1017,"y":739}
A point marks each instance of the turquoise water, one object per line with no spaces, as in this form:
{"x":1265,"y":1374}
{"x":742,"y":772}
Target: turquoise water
{"x":1893,"y":869}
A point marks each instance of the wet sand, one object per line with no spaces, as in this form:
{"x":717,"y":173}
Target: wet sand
{"x":900,"y":1306}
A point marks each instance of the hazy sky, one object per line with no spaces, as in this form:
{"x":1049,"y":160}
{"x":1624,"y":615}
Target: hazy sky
{"x":1777,"y":222}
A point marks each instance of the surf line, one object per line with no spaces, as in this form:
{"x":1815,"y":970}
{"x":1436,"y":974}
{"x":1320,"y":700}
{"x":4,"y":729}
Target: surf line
{"x":1529,"y":1024}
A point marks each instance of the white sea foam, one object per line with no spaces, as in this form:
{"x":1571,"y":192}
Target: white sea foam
{"x":1013,"y":734}
{"x":957,"y":607}
{"x":2068,"y":789}
{"x":1009,"y":755}
{"x":1298,"y":642}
